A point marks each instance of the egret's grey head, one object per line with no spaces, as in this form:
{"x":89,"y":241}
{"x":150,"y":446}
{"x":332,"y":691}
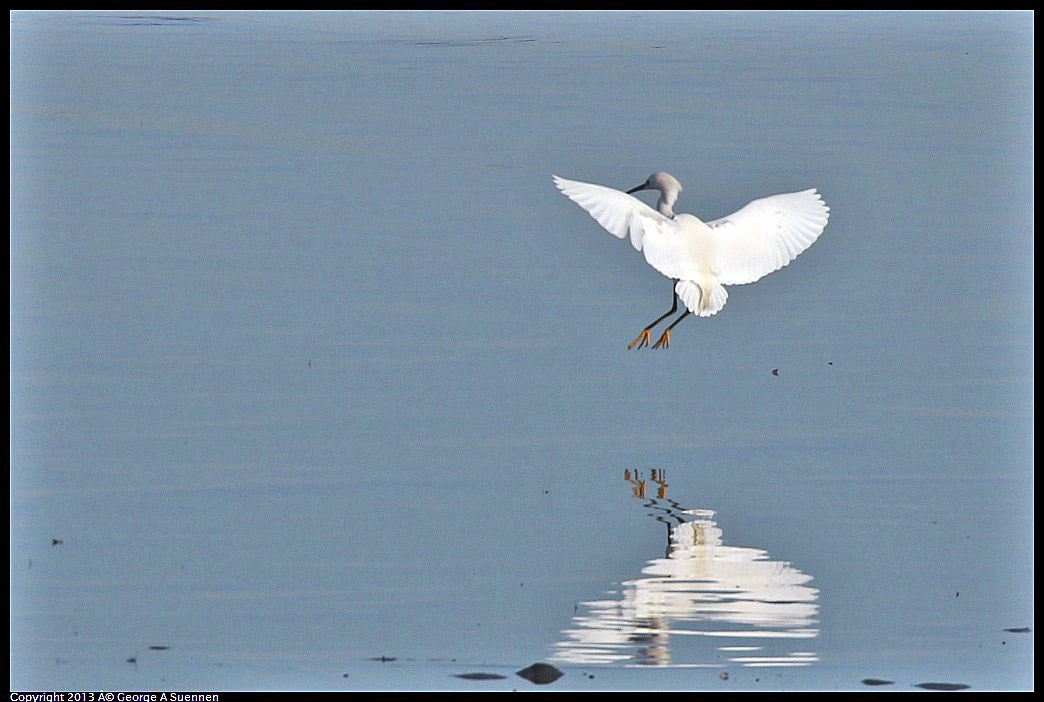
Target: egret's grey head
{"x":669,"y":188}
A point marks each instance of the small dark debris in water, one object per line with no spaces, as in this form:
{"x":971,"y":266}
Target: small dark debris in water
{"x":384,"y":659}
{"x":830,"y":363}
{"x":132,"y":659}
{"x":480,"y":676}
{"x":946,"y":687}
{"x":540,"y":673}
{"x":1019,"y":630}
{"x":958,"y":594}
{"x":775,"y":371}
{"x":56,"y":542}
{"x":877,"y":681}
{"x":724,"y":675}
{"x":344,"y":675}
{"x":158,"y":648}
{"x":590,"y":675}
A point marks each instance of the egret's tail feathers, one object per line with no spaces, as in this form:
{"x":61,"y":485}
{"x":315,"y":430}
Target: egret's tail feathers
{"x":699,"y":304}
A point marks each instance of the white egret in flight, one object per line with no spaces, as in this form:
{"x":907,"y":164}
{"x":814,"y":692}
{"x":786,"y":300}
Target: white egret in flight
{"x":699,"y":257}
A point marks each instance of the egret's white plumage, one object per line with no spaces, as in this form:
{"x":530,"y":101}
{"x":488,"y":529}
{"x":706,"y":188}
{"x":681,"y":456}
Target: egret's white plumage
{"x":702,"y":257}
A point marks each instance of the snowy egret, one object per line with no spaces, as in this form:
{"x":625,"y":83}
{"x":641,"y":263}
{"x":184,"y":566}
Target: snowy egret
{"x":701,"y":258}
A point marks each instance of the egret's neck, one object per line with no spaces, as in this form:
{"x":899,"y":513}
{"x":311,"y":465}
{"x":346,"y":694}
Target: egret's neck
{"x":666,"y":203}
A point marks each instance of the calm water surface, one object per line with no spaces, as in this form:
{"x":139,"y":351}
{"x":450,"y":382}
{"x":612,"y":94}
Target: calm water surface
{"x":312,"y":368}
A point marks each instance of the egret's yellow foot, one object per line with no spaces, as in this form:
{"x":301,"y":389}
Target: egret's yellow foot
{"x":642,"y":340}
{"x":664,"y":341}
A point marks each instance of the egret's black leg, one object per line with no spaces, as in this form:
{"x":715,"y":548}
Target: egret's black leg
{"x":665,"y":340}
{"x":643,"y":338}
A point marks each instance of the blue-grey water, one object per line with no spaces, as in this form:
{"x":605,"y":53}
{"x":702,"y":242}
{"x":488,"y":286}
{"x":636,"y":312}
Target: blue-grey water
{"x":312,"y":368}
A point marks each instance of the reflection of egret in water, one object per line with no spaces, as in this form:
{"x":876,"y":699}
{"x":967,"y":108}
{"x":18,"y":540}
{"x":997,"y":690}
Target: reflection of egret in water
{"x":754,"y":610}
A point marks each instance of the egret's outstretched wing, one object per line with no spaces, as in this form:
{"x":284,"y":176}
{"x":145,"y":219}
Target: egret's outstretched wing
{"x":766,"y":235}
{"x":621,"y":214}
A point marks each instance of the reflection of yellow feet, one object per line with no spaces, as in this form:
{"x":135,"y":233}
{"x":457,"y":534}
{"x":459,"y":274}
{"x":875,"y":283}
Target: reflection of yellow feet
{"x":664,"y":341}
{"x":643,"y":338}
